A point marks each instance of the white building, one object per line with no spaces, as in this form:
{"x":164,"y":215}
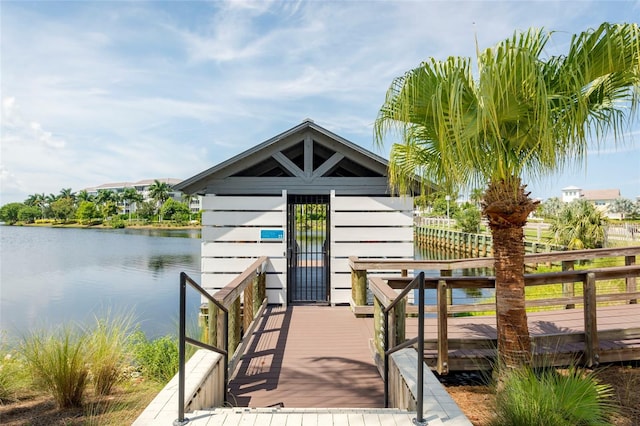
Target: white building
{"x":142,"y":187}
{"x":600,"y":198}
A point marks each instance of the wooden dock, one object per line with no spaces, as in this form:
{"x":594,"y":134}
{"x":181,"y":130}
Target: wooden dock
{"x":308,"y":356}
{"x":551,"y":332}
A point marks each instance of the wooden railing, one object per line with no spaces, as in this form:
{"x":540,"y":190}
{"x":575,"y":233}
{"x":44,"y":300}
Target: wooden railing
{"x":385,"y":291}
{"x":245,"y":299}
{"x":223,"y":329}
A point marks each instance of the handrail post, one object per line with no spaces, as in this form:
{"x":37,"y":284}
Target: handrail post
{"x":226,"y":356}
{"x":590,"y":321}
{"x":385,"y":346}
{"x":631,"y":281}
{"x":181,"y":350}
{"x":443,"y":338}
{"x":419,"y":403}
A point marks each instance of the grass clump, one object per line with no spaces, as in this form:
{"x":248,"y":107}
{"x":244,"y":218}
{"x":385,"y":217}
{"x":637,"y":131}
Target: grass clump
{"x":58,"y":361}
{"x":157,"y":358}
{"x":13,"y":376}
{"x":109,"y":351}
{"x":571,"y":397}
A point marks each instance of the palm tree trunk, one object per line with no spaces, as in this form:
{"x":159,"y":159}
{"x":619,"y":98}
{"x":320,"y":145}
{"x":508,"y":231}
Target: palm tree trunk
{"x":514,"y":345}
{"x":507,"y":206}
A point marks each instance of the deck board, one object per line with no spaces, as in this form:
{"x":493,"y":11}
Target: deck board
{"x":309,"y":356}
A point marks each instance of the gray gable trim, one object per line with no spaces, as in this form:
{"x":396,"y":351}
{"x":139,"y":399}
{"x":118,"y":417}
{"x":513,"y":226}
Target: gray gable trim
{"x":216,"y":178}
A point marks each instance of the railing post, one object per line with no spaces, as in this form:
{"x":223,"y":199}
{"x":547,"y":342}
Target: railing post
{"x":247,"y":302}
{"x":359,"y":283}
{"x":399,"y":323}
{"x":378,"y":324}
{"x":420,"y":402}
{"x":234,"y":326}
{"x":181,"y":350}
{"x":385,"y":348}
{"x":631,"y":281}
{"x":443,"y":339}
{"x":591,"y":343}
{"x":568,"y":288}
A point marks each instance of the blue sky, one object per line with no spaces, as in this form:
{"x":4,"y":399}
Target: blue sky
{"x":96,"y":91}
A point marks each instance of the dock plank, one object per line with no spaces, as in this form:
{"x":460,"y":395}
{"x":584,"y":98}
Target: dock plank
{"x":308,"y":356}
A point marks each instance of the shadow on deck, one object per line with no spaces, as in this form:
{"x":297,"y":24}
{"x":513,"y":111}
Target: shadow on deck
{"x":308,"y":356}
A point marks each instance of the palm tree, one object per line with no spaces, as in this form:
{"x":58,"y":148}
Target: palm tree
{"x":130,"y":196}
{"x":159,"y":191}
{"x":84,"y":196}
{"x":36,"y":200}
{"x":526,"y":114}
{"x":579,"y":225}
{"x":67,"y":193}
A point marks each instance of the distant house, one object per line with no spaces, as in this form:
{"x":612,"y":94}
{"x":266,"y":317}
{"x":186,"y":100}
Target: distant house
{"x":600,"y":198}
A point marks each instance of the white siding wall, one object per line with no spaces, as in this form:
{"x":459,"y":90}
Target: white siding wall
{"x":231,"y":240}
{"x":368,"y":227}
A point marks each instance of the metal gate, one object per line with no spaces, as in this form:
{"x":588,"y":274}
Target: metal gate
{"x":307,"y":249}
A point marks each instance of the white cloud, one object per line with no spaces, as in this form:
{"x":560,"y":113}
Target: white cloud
{"x":110,"y":91}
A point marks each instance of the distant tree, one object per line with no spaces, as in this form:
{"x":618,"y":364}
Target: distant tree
{"x":37,"y":200}
{"x":623,"y":206}
{"x":468,"y":218}
{"x":9,"y":212}
{"x":476,"y":196}
{"x":131,"y":197}
{"x":87,"y":210}
{"x":109,"y":208}
{"x":63,"y":209}
{"x":439,"y":205}
{"x":551,"y":208}
{"x":175,"y":210}
{"x":67,"y":193}
{"x":84,"y":196}
{"x":635,"y":214}
{"x":146,"y":210}
{"x":104,"y":196}
{"x":579,"y":225}
{"x":29,"y":214}
{"x":159,"y":192}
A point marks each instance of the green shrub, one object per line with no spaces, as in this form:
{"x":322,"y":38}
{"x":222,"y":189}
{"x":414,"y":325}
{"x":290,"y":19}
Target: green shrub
{"x":58,"y":362}
{"x":12,"y":376}
{"x":567,"y":398}
{"x":109,"y":356}
{"x":157,"y":359}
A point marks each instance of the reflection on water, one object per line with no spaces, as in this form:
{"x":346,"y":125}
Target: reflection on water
{"x":460,"y":296}
{"x":52,"y":275}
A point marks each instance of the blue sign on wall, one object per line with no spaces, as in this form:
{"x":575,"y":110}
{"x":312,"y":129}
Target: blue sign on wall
{"x":272,"y":234}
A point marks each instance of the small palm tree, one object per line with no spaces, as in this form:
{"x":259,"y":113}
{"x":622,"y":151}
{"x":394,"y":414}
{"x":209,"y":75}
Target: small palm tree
{"x":130,"y":196}
{"x":525,"y":114}
{"x":84,"y":196}
{"x":159,"y":192}
{"x":579,"y":225}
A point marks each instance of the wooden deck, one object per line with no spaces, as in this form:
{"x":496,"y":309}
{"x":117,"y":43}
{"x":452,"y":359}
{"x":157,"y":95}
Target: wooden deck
{"x":321,"y":357}
{"x":309,"y":356}
{"x":612,"y":320}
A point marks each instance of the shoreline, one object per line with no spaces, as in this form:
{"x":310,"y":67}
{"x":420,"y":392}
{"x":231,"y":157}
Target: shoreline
{"x":102,"y":226}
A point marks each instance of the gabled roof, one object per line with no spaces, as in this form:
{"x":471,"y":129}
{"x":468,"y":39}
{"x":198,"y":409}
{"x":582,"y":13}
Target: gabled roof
{"x":601,"y":194}
{"x":304,"y":159}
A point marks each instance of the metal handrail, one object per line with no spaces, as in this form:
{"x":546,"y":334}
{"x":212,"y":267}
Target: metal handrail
{"x":418,"y":282}
{"x":183,"y":339}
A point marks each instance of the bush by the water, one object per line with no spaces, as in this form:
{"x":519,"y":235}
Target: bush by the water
{"x":157,"y":358}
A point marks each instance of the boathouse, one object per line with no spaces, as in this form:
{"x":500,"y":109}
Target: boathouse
{"x":308,"y":199}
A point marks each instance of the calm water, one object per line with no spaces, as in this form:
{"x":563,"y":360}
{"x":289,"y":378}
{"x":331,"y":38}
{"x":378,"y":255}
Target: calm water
{"x":52,"y":275}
